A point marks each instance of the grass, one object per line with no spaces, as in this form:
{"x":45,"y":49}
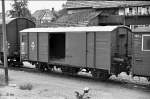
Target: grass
{"x":27,"y":86}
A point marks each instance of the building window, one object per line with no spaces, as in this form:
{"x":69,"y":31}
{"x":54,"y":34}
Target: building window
{"x":130,"y":11}
{"x":145,"y":42}
{"x":147,"y":10}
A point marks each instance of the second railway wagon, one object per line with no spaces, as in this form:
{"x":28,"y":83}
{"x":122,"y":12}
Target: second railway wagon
{"x":141,"y":49}
{"x":103,"y":50}
{"x":13,"y":26}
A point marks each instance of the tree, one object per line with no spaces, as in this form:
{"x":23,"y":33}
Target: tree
{"x":20,"y":9}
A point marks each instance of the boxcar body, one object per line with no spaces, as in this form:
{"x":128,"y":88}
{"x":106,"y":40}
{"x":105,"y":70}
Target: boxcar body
{"x":13,"y":26}
{"x":141,"y":49}
{"x":99,"y":49}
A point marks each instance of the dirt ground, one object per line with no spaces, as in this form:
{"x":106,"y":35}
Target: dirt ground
{"x":57,"y":86}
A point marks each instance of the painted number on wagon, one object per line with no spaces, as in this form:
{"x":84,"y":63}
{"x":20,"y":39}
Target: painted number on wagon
{"x":32,"y":45}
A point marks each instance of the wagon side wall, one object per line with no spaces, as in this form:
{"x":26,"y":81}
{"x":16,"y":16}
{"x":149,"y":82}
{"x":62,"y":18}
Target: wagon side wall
{"x":24,"y":46}
{"x":43,"y":47}
{"x":32,"y":46}
{"x":12,"y":37}
{"x":103,"y":50}
{"x":22,"y":23}
{"x":141,"y":62}
{"x":1,"y":39}
{"x":90,"y":50}
{"x":76,"y":48}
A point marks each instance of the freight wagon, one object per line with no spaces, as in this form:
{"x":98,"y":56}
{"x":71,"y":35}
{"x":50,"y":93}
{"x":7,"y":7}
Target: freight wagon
{"x":102,"y":50}
{"x":13,"y":26}
{"x":141,"y":49}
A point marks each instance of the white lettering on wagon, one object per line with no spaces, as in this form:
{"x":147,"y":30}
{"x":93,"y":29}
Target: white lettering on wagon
{"x":22,"y":48}
{"x":32,"y":45}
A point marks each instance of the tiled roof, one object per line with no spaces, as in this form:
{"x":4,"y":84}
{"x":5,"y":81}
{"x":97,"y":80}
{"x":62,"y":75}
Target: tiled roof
{"x":105,"y":4}
{"x":40,"y":13}
{"x":77,"y":19}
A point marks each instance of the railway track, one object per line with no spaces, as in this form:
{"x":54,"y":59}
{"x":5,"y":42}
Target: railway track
{"x":127,"y":84}
{"x":21,"y":69}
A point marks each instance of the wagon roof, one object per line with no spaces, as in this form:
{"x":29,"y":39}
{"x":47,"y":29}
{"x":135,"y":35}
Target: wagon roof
{"x":8,"y":20}
{"x":73,"y":29}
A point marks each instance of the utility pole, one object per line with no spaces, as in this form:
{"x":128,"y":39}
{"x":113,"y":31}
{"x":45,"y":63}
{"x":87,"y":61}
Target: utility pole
{"x":4,"y":42}
{"x":124,"y":20}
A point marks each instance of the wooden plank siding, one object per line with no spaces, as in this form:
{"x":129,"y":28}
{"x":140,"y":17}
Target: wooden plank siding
{"x":1,"y":40}
{"x":24,"y":46}
{"x":32,"y":46}
{"x":90,"y":49}
{"x":35,"y":47}
{"x":75,"y":49}
{"x":43,"y":46}
{"x":12,"y":37}
{"x":103,"y":50}
{"x":141,"y":61}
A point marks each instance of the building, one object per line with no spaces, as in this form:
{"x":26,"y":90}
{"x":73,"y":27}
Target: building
{"x":86,"y":13}
{"x":44,"y":16}
{"x":141,"y":10}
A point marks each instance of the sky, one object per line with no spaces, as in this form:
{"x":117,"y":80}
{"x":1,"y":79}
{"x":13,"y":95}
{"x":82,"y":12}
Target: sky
{"x":34,"y":5}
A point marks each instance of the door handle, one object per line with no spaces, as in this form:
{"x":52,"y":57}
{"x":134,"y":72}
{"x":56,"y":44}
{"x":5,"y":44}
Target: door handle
{"x":138,"y":59}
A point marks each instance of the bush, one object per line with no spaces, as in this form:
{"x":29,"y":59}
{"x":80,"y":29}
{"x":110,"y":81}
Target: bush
{"x":27,"y":86}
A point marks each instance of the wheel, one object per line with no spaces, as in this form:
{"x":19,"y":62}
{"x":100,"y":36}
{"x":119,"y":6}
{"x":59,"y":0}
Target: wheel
{"x":11,"y":64}
{"x":148,"y":78}
{"x":95,"y":74}
{"x":40,"y":67}
{"x":64,"y":70}
{"x":74,"y":70}
{"x":104,"y":76}
{"x":99,"y":74}
{"x":45,"y":68}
